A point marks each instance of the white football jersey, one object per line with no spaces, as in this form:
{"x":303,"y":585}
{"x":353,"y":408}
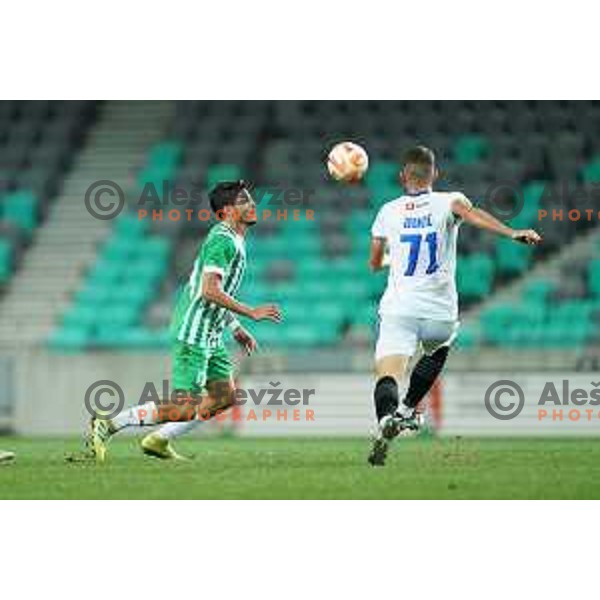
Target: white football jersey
{"x":420,"y":232}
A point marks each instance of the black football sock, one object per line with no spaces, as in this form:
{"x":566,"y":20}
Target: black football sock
{"x":386,"y":397}
{"x":424,"y":374}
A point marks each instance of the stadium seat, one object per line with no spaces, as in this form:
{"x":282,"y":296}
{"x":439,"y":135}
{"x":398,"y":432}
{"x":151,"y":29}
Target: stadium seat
{"x":469,"y":149}
{"x":218,"y":173}
{"x":165,"y":154}
{"x":591,"y":171}
{"x":6,"y":257}
{"x":73,"y":339}
{"x":475,"y":276}
{"x":512,"y":258}
{"x":22,"y":209}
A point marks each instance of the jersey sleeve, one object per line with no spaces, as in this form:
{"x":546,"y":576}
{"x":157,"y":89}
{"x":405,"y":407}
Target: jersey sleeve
{"x":462,"y":199}
{"x":378,"y":229}
{"x":219,"y":254}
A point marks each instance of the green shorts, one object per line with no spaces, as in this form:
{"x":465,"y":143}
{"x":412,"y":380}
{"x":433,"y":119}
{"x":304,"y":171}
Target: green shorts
{"x":194,"y":366}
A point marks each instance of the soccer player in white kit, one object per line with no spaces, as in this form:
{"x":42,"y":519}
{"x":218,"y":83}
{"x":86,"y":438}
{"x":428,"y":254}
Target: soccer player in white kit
{"x":418,"y":312}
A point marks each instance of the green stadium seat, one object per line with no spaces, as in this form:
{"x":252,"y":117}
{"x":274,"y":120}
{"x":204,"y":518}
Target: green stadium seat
{"x":382,"y":193}
{"x":217,"y":173}
{"x":109,"y":337}
{"x":165,"y":154}
{"x":131,"y":226}
{"x":21,"y":208}
{"x":357,"y":287}
{"x":154,"y":247}
{"x":512,"y":258}
{"x":132,"y":338}
{"x":6,"y":260}
{"x":316,"y":289}
{"x":533,"y":192}
{"x":120,"y":313}
{"x":531,"y":195}
{"x":80,"y":316}
{"x":594,"y":277}
{"x":467,"y":338}
{"x":155,"y":176}
{"x":346,"y":268}
{"x":280,"y":247}
{"x":497,"y":318}
{"x":131,"y":295}
{"x":470,"y":148}
{"x":360,"y":222}
{"x":73,"y":339}
{"x":382,"y":172}
{"x":120,"y":249}
{"x":329,"y":313}
{"x":377,"y":283}
{"x":145,"y":270}
{"x":361,"y":245}
{"x":538,"y":290}
{"x":107,"y":272}
{"x":306,"y":335}
{"x":365,"y":315}
{"x":535,"y":324}
{"x":591,"y":171}
{"x":475,"y":276}
{"x":313,"y":267}
{"x":94,"y":294}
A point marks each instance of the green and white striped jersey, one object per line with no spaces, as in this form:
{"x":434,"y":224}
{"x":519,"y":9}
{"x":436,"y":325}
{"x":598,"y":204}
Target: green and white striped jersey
{"x":195,"y":320}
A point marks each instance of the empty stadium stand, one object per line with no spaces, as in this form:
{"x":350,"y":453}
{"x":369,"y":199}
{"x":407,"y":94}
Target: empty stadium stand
{"x":38,"y":142}
{"x":58,"y":253}
{"x":316,"y":268}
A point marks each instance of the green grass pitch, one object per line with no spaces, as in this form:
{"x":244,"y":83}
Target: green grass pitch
{"x":309,"y":468}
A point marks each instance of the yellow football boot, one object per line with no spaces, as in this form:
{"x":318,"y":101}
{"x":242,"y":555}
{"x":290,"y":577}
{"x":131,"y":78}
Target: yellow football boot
{"x":98,"y":434}
{"x":158,"y":447}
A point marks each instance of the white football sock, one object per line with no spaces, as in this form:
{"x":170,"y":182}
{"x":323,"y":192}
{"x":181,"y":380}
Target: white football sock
{"x":145,"y":414}
{"x":405,"y":411}
{"x":170,"y":431}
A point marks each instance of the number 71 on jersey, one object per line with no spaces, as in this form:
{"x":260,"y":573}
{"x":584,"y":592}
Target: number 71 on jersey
{"x":415,"y":240}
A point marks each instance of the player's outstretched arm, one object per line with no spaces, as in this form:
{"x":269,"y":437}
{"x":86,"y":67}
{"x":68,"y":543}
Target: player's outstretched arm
{"x":484,"y":220}
{"x":213,"y":292}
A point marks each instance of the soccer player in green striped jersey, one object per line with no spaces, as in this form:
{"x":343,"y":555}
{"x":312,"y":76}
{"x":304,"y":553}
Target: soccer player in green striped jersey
{"x":202,"y":370}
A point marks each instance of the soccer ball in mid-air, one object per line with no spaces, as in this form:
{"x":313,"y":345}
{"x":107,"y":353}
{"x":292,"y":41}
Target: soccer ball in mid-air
{"x":347,"y":162}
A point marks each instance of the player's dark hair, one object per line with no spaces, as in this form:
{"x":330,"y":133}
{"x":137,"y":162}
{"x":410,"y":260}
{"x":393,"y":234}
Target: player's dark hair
{"x":225,"y":193}
{"x":421,"y":159}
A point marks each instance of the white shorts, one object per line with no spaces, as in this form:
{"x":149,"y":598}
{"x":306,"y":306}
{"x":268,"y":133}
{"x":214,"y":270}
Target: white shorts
{"x":406,"y":335}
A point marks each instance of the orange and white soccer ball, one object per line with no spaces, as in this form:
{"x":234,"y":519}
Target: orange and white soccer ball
{"x":348,"y":162}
